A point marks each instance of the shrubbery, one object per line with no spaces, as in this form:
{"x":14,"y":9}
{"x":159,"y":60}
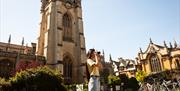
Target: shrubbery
{"x":40,"y":78}
{"x":114,"y":80}
{"x":140,"y":76}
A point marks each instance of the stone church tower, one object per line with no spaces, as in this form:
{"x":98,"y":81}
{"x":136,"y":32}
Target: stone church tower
{"x":61,"y":37}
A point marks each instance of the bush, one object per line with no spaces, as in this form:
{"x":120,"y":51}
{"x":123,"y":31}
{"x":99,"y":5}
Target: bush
{"x":4,"y":84}
{"x":140,"y":76}
{"x":113,"y":80}
{"x":133,"y":84}
{"x":40,"y":78}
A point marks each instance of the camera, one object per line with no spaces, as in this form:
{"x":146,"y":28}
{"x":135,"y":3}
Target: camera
{"x":98,"y":52}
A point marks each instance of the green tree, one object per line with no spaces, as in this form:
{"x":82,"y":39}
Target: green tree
{"x":114,"y":80}
{"x":4,"y":84}
{"x":140,"y":75}
{"x":133,"y":84}
{"x":35,"y":79}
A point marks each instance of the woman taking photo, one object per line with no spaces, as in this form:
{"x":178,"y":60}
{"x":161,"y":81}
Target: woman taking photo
{"x":93,"y":64}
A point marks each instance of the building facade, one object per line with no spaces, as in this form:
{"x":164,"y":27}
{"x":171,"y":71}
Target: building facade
{"x":61,"y":38}
{"x":125,"y":66}
{"x":11,"y":54}
{"x":159,"y":58}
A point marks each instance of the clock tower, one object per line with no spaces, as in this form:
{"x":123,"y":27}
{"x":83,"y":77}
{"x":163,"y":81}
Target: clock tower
{"x":61,"y":38}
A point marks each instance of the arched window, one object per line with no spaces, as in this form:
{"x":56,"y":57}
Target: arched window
{"x":67,"y":69}
{"x":67,"y":27}
{"x":155,"y":64}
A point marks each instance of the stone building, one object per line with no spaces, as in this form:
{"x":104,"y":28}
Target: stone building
{"x":11,"y":54}
{"x":159,"y":58}
{"x":61,"y":38}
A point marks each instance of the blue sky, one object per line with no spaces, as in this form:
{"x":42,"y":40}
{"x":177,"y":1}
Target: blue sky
{"x":119,"y":27}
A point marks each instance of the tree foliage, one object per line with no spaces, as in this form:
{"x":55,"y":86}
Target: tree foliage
{"x":133,"y":84}
{"x":114,"y":80}
{"x":140,"y":75}
{"x":23,"y":65}
{"x":40,"y":78}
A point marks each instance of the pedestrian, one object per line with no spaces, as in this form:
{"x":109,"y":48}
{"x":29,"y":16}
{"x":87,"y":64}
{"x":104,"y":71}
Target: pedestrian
{"x":94,"y":65}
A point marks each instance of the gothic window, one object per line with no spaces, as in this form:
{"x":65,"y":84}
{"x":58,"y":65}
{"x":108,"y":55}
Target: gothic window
{"x":155,"y":64}
{"x":67,"y":70}
{"x":67,"y":27}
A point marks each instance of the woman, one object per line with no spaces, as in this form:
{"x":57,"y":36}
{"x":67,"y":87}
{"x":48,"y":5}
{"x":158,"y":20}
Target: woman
{"x":93,"y":64}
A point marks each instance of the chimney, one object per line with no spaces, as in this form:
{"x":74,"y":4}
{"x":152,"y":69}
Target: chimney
{"x":33,"y":48}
